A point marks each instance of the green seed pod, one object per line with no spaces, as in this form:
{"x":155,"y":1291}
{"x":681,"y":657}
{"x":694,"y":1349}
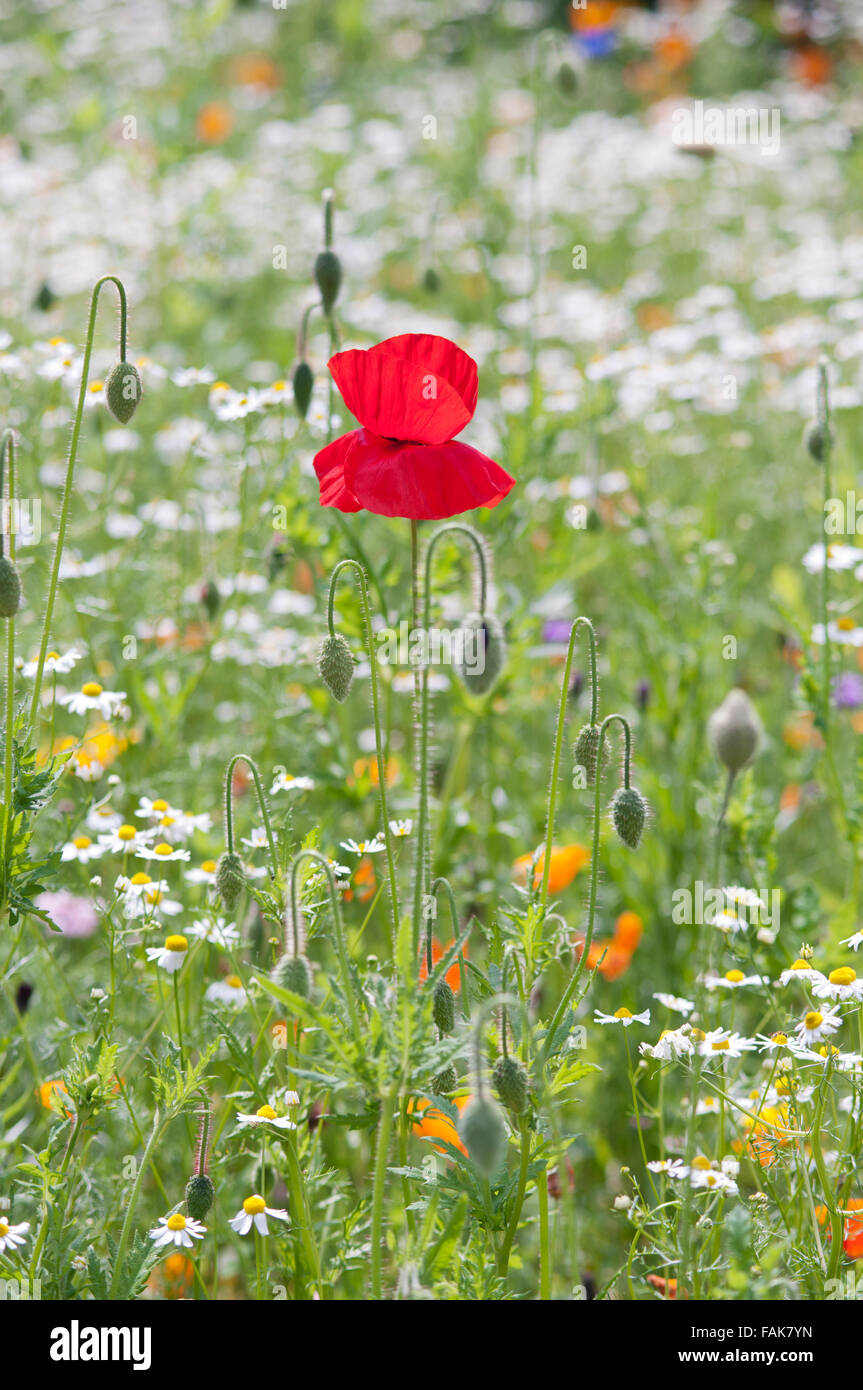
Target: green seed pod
{"x":485,"y":644}
{"x":629,"y":812}
{"x":230,"y":879}
{"x":123,"y":391}
{"x":10,"y":588}
{"x":293,"y":973}
{"x":445,"y":1081}
{"x":443,"y":1007}
{"x":431,"y":280}
{"x":511,"y":1084}
{"x":817,"y":440}
{"x":586,"y":749}
{"x":483,"y":1134}
{"x":566,"y":78}
{"x":200,"y":1194}
{"x":303,"y":382}
{"x":328,"y":277}
{"x":336,"y":666}
{"x":734,"y":731}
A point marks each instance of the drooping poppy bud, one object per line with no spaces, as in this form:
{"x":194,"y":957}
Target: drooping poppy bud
{"x":486,"y":644}
{"x":303,"y":382}
{"x":200,"y":1194}
{"x":443,"y":1007}
{"x":328,"y":278}
{"x":629,"y":812}
{"x":10,"y":588}
{"x":483,"y":1134}
{"x":210,"y":598}
{"x":511,"y":1084}
{"x":585,"y":752}
{"x":230,"y":879}
{"x":817,"y":440}
{"x":123,"y":391}
{"x":293,"y":973}
{"x":336,"y":666}
{"x":445,"y":1081}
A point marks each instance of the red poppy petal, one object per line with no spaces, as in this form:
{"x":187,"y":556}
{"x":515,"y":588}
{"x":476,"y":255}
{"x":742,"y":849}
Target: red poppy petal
{"x":422,"y":481}
{"x":404,"y":399}
{"x":330,"y":468}
{"x":438,"y":355}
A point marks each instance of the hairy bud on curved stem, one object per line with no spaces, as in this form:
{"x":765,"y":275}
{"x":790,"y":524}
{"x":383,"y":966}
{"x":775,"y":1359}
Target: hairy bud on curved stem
{"x":580,"y":622}
{"x":341,"y":946}
{"x":7,"y":481}
{"x":229,"y":809}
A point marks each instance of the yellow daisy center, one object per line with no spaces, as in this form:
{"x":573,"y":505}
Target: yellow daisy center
{"x":253,"y":1206}
{"x":160,"y":806}
{"x":266,"y":1112}
{"x":828,"y":1050}
{"x":700,"y":1161}
{"x":53,"y":656}
{"x":139,"y":879}
{"x":801,"y":965}
{"x":208,"y":866}
{"x":126,"y":832}
{"x":177,"y":1222}
{"x":698,"y":1034}
{"x":155,"y":897}
{"x":843,"y":976}
{"x":720,"y":1046}
{"x":91,"y":688}
{"x":82,"y":842}
{"x":167,"y":820}
{"x":176,"y":943}
{"x":623,"y":1013}
{"x":845,"y":624}
{"x":780,"y":1038}
{"x":813,"y":1019}
{"x":734,"y":976}
{"x":163,"y":850}
{"x":4,"y":1229}
{"x":234,"y":981}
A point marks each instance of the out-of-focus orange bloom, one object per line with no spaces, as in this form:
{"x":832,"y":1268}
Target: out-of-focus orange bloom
{"x":241,"y":779}
{"x":453,"y":977}
{"x":48,"y":1093}
{"x":800,"y":732}
{"x":811,"y":66}
{"x":673,"y":50}
{"x":368,"y":767}
{"x":214,"y":122}
{"x":768,"y":1134}
{"x":364,"y":882}
{"x":566,"y":862}
{"x":431,"y":1123}
{"x":852,"y":1242}
{"x":195,"y":637}
{"x":667,"y":1287}
{"x":99,"y":749}
{"x":599,"y":14}
{"x":628,"y":930}
{"x":608,"y":957}
{"x":255,"y":70}
{"x":172,"y":1277}
{"x":650,"y":317}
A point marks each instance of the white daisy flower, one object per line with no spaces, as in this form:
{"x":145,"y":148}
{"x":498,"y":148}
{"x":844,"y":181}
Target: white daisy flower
{"x":283,"y":782}
{"x":125,"y":839}
{"x":801,"y":970}
{"x":103,"y":818}
{"x":704,"y":1176}
{"x":673,"y":1044}
{"x":773,"y":1042}
{"x":675,"y":1004}
{"x":219,"y":933}
{"x":853,"y":941}
{"x":734,"y":979}
{"x":255,"y":1211}
{"x":400,"y":828}
{"x":816,"y":1025}
{"x":230,"y":991}
{"x":164,"y":852}
{"x":169,"y":957}
{"x":178,"y":1230}
{"x":154,"y":810}
{"x":12,"y":1236}
{"x":82,"y":849}
{"x":671,"y":1167}
{"x":205,"y":873}
{"x":708,"y":1105}
{"x":729,"y":922}
{"x":55,"y":663}
{"x":257,"y":839}
{"x":623,"y":1016}
{"x":363,"y":846}
{"x":723,"y":1043}
{"x":842,"y":631}
{"x":90,"y":697}
{"x":840,"y":984}
{"x":266,"y":1115}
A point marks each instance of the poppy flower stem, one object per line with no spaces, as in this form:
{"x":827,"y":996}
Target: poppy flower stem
{"x":7,"y":481}
{"x":445,"y":884}
{"x":362,"y":579}
{"x":823,"y":419}
{"x":229,"y":808}
{"x":70,"y":473}
{"x":421,"y":688}
{"x":562,"y":1007}
{"x":385,"y":1125}
{"x":338,"y":923}
{"x":579,"y":623}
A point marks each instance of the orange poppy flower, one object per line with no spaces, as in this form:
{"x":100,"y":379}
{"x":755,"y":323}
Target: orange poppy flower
{"x":611,"y":959}
{"x":172,"y":1277}
{"x":48,"y":1092}
{"x":667,"y":1287}
{"x":628,"y":931}
{"x":566,"y":862}
{"x":812,"y":66}
{"x":368,"y":767}
{"x":453,"y":977}
{"x":852,"y":1242}
{"x":364,"y":883}
{"x":255,"y":70}
{"x":764,"y":1139}
{"x":431,"y":1123}
{"x":673,"y":50}
{"x":214,"y":122}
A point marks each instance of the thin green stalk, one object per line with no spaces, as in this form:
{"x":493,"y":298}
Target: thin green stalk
{"x":155,"y":1134}
{"x":379,"y":748}
{"x":512,"y":1228}
{"x":558,"y":740}
{"x":229,"y":809}
{"x":385,"y":1125}
{"x":341,"y":946}
{"x":7,"y":454}
{"x":70,"y":474}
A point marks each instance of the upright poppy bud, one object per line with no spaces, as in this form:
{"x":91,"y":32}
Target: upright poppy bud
{"x":443,"y":1007}
{"x":585,"y":752}
{"x":302,"y":383}
{"x":483,"y":1134}
{"x":511,"y":1084}
{"x":734,"y":731}
{"x":10,"y":588}
{"x":328,"y":267}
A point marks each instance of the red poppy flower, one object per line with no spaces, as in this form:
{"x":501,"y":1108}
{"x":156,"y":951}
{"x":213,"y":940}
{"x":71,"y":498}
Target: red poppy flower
{"x":411,"y":395}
